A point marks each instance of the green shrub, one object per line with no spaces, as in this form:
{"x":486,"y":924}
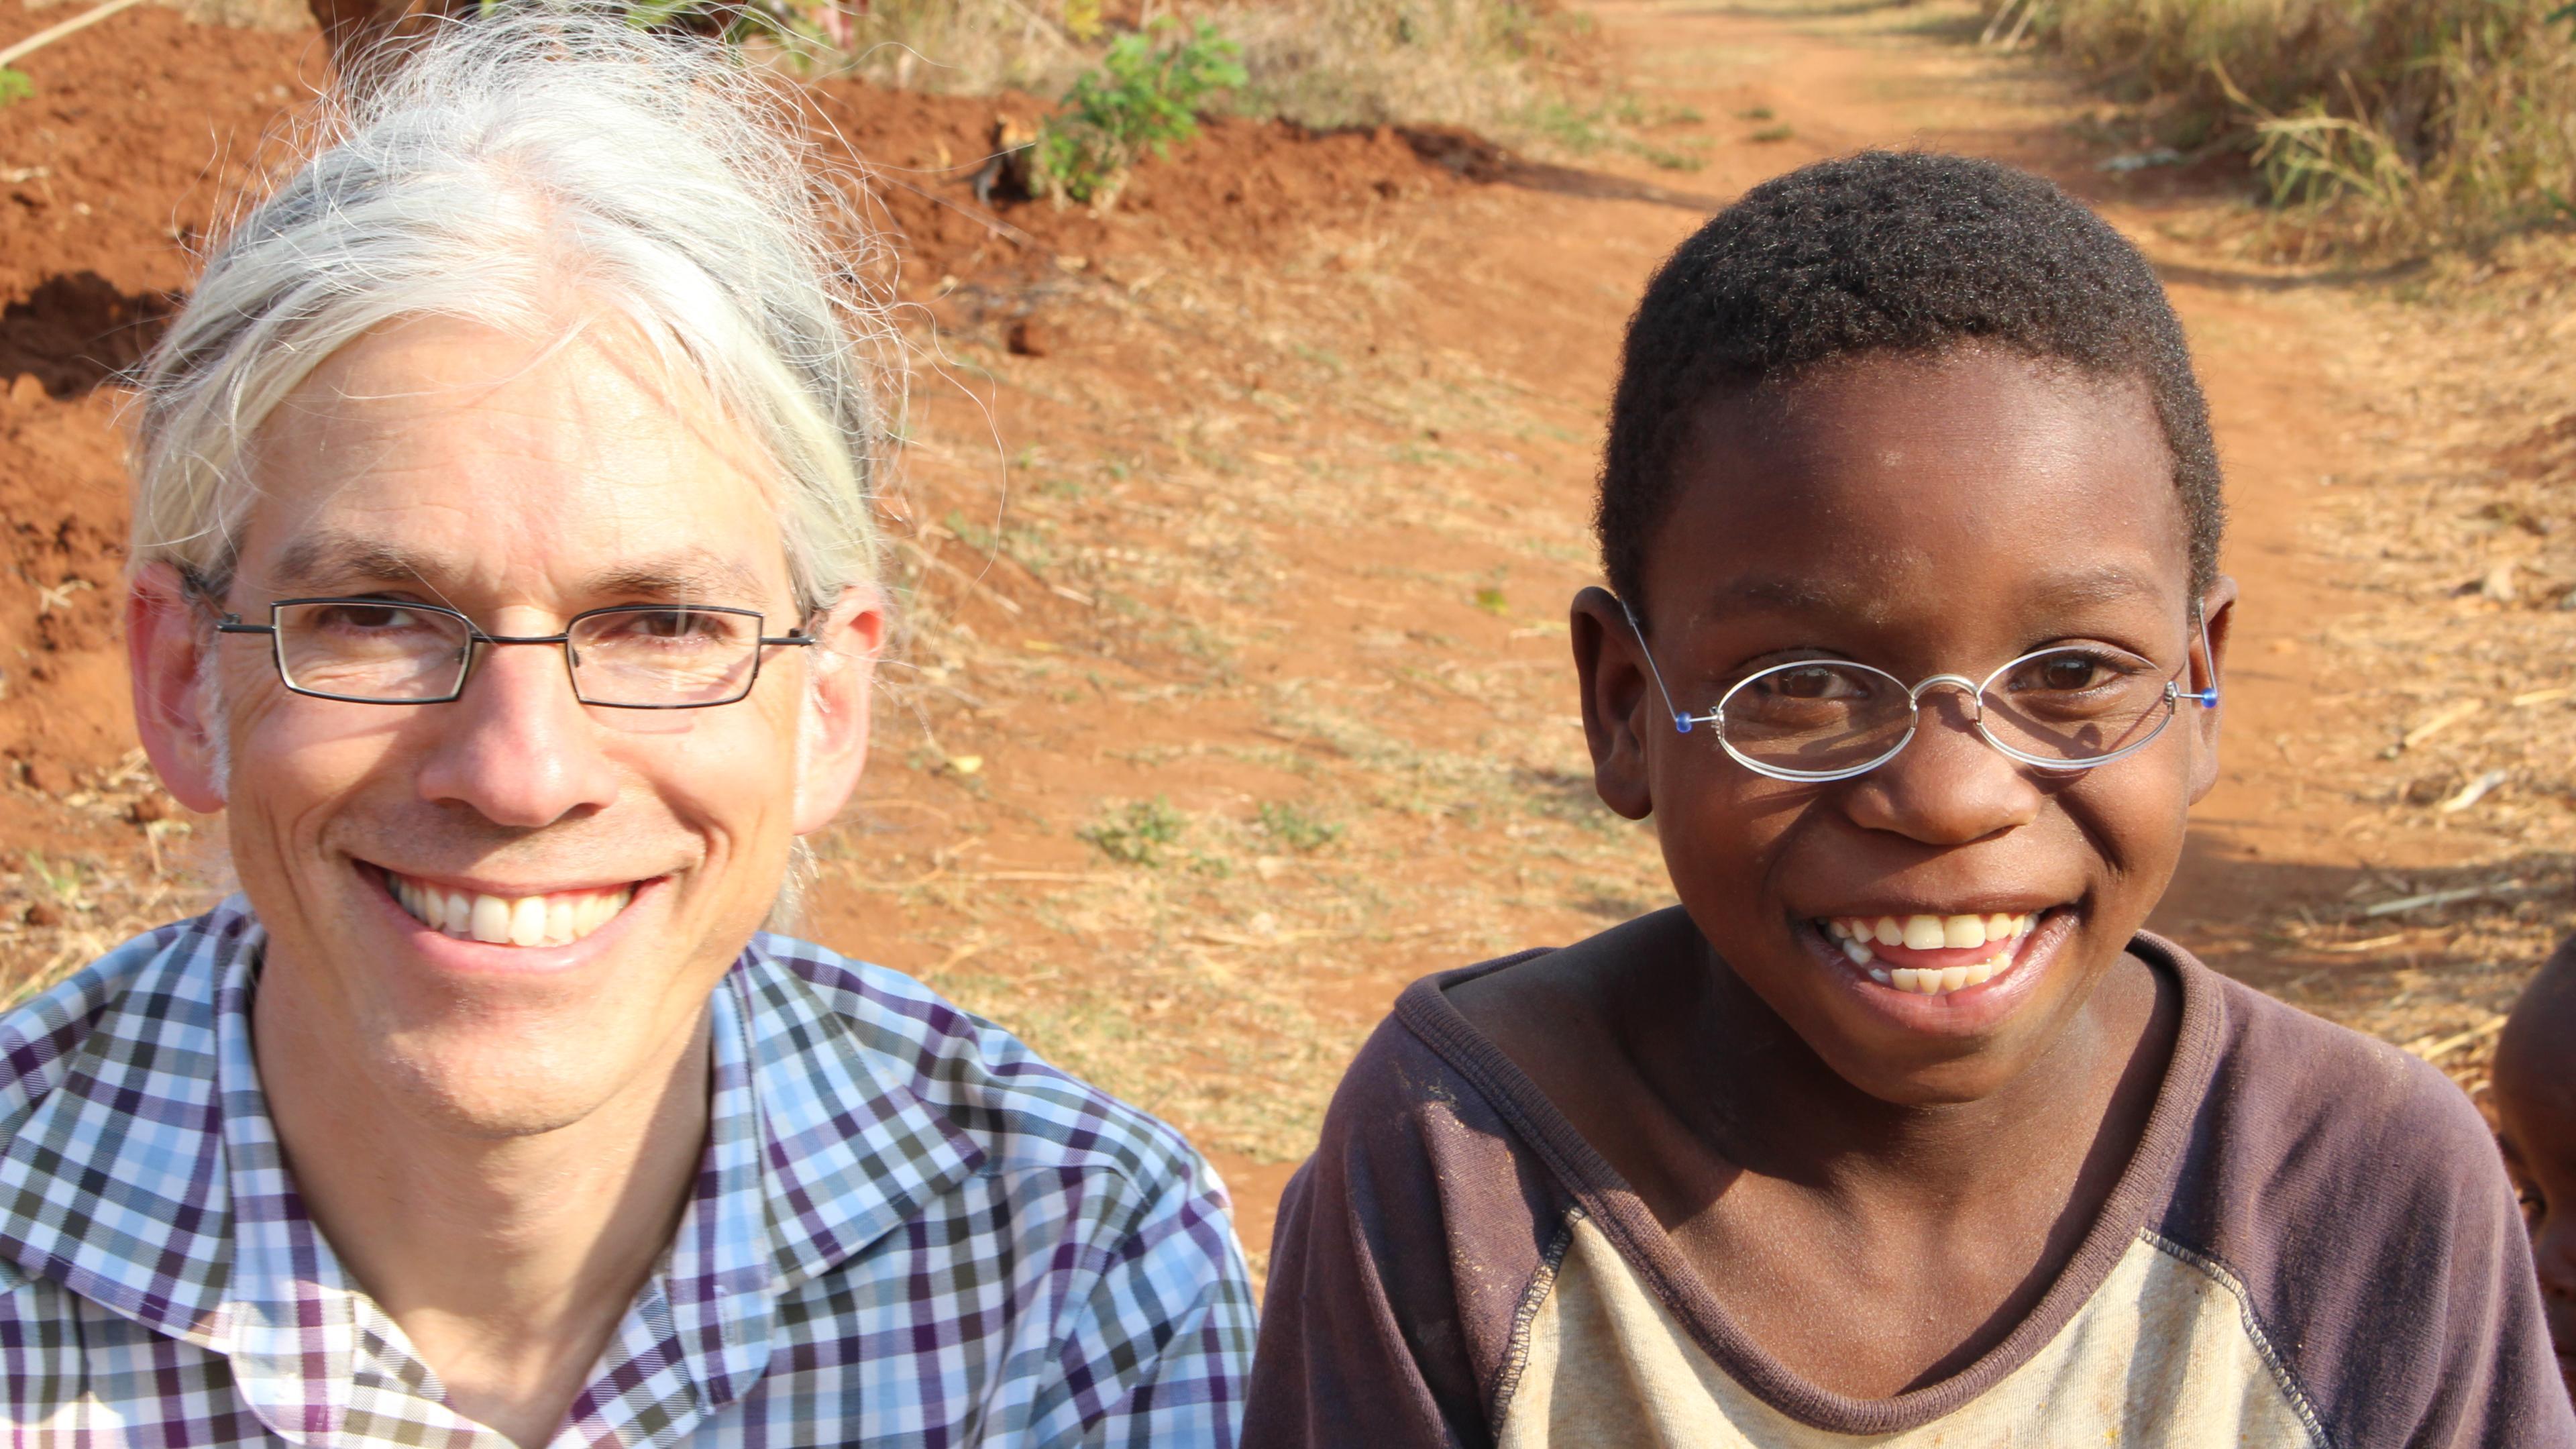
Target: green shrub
{"x":1143,"y":96}
{"x":1139,"y":834}
{"x":1296,"y":829}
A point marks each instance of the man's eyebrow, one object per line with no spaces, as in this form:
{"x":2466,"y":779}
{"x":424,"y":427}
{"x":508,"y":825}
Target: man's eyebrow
{"x":336,"y":556}
{"x":694,"y":574}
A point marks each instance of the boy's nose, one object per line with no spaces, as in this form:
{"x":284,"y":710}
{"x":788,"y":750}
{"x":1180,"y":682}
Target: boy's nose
{"x":1948,"y":786}
{"x":518,"y":747}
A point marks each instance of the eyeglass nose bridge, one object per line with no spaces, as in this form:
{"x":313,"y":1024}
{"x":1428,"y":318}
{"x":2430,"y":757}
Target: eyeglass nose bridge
{"x":1975,"y":692}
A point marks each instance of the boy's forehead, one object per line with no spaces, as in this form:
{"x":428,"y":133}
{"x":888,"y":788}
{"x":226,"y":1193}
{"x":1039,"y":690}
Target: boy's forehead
{"x":1879,"y":486}
{"x":1970,"y":407}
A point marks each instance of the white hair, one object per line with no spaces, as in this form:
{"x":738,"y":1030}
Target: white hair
{"x":491,"y":173}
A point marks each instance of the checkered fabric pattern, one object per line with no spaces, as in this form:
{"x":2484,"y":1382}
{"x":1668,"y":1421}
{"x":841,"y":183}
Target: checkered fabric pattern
{"x":907,"y":1230}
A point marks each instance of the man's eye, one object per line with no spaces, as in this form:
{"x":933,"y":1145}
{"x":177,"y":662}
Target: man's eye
{"x":671,"y":627}
{"x":360,"y":618}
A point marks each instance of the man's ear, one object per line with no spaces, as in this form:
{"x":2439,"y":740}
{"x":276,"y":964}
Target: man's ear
{"x":1619,"y":701}
{"x":841,"y":670}
{"x":2218,"y":617}
{"x":169,"y":644}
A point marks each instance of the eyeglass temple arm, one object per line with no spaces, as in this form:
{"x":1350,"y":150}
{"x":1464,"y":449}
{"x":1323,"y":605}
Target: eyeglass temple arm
{"x":2205,"y":698}
{"x":232,"y":624}
{"x":1681,"y":722}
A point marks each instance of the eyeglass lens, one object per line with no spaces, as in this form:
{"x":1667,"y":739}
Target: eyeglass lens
{"x":644,"y":656}
{"x":1822,"y":716}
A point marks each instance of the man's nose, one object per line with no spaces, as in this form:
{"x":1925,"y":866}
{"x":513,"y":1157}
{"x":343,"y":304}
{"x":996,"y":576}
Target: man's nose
{"x":1948,"y":786}
{"x":518,"y":746}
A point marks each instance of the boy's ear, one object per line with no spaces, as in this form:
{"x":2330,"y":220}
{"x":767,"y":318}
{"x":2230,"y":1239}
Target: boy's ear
{"x":169,"y":644}
{"x":1619,"y":703}
{"x":2218,"y":616}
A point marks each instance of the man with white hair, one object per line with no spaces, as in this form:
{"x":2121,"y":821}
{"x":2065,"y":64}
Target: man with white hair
{"x":503,"y":566}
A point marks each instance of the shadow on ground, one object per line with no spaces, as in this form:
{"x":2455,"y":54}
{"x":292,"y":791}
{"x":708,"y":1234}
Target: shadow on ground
{"x":2403,"y":947}
{"x":77,"y":330}
{"x":1477,"y":159}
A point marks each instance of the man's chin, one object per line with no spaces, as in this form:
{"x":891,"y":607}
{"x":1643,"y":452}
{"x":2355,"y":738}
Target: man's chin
{"x":499,"y":1090}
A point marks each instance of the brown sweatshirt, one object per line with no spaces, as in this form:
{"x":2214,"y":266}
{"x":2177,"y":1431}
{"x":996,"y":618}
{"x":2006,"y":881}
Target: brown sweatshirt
{"x":2313,"y":1245}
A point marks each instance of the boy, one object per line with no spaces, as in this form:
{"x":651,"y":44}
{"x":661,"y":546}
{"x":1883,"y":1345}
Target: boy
{"x":1898,"y":1127}
{"x":2535,"y":1097}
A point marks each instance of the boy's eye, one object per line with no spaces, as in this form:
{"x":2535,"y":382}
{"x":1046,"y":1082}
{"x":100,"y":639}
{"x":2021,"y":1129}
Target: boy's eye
{"x":1816,"y":682}
{"x":2068,"y":673}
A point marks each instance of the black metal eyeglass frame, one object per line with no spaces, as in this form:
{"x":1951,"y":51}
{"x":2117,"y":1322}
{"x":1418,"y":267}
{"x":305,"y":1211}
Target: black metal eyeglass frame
{"x":474,"y":635}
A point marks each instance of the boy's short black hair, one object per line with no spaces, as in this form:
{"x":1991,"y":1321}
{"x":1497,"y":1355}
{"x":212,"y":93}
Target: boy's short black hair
{"x":1902,"y":252}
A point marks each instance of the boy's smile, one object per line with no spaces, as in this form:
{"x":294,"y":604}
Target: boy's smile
{"x":1931,"y":927}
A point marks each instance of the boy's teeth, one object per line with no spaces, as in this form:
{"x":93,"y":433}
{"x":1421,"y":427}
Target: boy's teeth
{"x":546,"y":920}
{"x":1857,"y":934}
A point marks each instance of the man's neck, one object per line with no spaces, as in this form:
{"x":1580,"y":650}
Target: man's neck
{"x":507,"y":1260}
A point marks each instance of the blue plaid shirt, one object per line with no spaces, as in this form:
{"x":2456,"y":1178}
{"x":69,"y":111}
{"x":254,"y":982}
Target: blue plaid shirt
{"x":906,"y":1230}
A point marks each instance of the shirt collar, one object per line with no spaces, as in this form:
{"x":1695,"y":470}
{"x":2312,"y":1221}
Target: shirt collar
{"x":148,"y":1180}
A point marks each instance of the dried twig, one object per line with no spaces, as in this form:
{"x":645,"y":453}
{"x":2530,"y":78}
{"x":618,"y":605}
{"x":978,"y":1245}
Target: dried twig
{"x":52,"y":33}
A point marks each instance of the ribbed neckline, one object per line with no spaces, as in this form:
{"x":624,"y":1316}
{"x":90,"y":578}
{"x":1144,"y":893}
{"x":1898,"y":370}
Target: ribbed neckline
{"x":2144,"y":1186}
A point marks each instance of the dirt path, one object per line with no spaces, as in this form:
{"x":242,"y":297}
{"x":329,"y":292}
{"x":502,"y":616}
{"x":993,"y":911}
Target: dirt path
{"x":1236,"y":531}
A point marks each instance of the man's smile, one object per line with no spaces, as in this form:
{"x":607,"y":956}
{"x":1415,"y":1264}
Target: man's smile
{"x":545,"y":918}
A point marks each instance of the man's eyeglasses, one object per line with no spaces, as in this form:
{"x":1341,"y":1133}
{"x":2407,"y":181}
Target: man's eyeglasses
{"x":628,"y":656}
{"x":2067,"y":708}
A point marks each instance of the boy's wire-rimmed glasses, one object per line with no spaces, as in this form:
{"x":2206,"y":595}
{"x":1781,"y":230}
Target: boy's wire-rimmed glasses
{"x":2067,"y":708}
{"x":626,"y":656}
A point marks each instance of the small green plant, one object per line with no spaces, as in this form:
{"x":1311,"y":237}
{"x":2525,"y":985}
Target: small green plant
{"x":1774,"y":133}
{"x":1139,"y":834}
{"x":1296,"y":829}
{"x":1144,"y":96}
{"x":801,"y":26}
{"x":14,"y":85}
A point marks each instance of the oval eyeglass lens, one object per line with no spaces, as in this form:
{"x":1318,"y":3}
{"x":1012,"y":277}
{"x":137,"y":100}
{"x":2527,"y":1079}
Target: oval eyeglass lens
{"x":664,"y":656}
{"x":1817,"y":716}
{"x":374,"y":651}
{"x":2077,"y":704}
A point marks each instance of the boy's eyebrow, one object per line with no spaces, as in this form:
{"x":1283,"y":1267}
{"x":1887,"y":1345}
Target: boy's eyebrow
{"x":1807,"y":594}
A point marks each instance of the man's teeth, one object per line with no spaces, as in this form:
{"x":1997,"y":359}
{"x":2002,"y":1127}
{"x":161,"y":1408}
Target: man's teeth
{"x":550,"y":920}
{"x":1857,"y":934}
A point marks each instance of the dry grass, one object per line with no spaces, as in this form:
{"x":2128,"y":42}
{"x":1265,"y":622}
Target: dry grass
{"x":1489,"y":65}
{"x":2458,"y":670}
{"x":2381,"y":125}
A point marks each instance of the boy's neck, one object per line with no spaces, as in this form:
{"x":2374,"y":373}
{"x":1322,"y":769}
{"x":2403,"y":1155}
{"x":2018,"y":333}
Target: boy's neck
{"x":1774,"y":1108}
